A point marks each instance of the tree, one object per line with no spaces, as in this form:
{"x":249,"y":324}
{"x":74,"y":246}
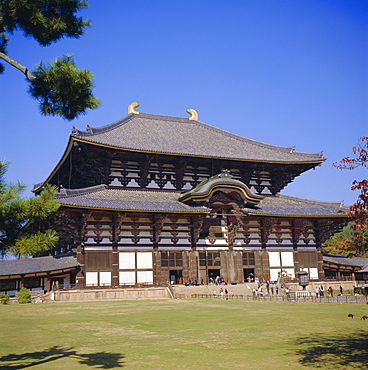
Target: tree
{"x":349,"y":242}
{"x":20,"y":226}
{"x":60,"y":87}
{"x":359,"y":210}
{"x":353,"y":239}
{"x":24,"y":296}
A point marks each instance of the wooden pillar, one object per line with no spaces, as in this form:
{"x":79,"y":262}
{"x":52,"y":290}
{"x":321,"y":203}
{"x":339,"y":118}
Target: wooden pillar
{"x":196,"y":223}
{"x":232,"y":271}
{"x":115,"y":265}
{"x":116,"y":230}
{"x":193,"y":265}
{"x":321,"y":273}
{"x":48,"y":282}
{"x":185,"y":272}
{"x":22,"y":281}
{"x":238,"y":266}
{"x":264,"y":266}
{"x":296,"y":260}
{"x":179,"y":174}
{"x":157,"y":275}
{"x":158,"y":221}
{"x":80,"y":279}
{"x":224,"y":255}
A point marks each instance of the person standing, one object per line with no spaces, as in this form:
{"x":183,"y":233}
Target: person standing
{"x":287,"y":292}
{"x":221,"y":292}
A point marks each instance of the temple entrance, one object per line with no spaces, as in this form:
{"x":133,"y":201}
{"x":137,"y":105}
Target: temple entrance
{"x":56,"y":283}
{"x":248,"y":275}
{"x":176,"y":277}
{"x":213,"y":274}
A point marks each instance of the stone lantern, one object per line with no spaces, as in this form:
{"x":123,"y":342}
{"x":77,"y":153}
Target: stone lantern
{"x":303,"y":278}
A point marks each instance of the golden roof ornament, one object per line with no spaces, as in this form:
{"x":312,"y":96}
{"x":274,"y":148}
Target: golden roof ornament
{"x":193,"y":115}
{"x":225,"y":173}
{"x":131,"y":108}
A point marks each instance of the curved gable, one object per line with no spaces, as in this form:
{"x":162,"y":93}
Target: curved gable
{"x":223,"y":183}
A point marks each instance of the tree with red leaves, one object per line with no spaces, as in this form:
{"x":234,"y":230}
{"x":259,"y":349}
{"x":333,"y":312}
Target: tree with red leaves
{"x":359,"y":210}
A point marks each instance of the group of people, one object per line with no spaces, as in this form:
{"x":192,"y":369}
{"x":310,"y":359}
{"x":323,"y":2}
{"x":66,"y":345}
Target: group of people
{"x":196,"y":282}
{"x":266,"y":289}
{"x":222,"y":293}
{"x":218,"y":280}
{"x":320,"y":291}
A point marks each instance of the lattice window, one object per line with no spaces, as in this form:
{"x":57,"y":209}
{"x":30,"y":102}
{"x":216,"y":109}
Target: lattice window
{"x":248,"y":259}
{"x":172,"y":259}
{"x":32,"y":282}
{"x":98,"y":260}
{"x":209,"y":259}
{"x":10,"y":285}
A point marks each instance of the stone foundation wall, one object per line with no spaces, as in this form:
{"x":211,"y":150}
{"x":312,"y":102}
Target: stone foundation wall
{"x":109,"y":294}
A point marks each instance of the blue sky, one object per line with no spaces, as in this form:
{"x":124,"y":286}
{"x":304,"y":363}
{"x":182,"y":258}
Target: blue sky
{"x":281,"y":72}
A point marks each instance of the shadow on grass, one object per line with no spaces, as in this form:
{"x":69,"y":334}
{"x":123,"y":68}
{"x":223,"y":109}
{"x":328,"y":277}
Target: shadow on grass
{"x":343,"y":351}
{"x":99,"y":360}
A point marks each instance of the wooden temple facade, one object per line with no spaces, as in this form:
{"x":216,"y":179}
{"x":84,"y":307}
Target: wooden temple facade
{"x":150,"y":199}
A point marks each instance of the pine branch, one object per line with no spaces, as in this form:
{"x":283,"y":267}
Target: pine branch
{"x":20,"y":67}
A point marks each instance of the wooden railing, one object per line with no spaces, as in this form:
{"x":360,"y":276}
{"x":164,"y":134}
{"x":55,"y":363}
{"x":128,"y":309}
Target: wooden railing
{"x":288,"y":298}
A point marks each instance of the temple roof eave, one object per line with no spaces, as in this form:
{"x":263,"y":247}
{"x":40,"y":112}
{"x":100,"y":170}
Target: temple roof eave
{"x":354,"y":262}
{"x":104,"y":198}
{"x":38,"y":187}
{"x":180,"y":136}
{"x":252,"y":160}
{"x":292,"y":215}
{"x":141,"y":210}
{"x":288,"y":206}
{"x":39,"y":264}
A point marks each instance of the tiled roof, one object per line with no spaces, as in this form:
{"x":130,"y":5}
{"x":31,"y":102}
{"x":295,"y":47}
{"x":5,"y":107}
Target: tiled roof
{"x":348,"y":261}
{"x":181,"y":136}
{"x":284,"y":205}
{"x":364,"y":269}
{"x":361,"y":261}
{"x":38,"y":264}
{"x":103,"y":197}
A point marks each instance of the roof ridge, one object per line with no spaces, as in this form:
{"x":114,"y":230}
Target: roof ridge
{"x":99,"y":130}
{"x":312,"y":200}
{"x":64,"y":193}
{"x":171,"y":191}
{"x":287,"y":149}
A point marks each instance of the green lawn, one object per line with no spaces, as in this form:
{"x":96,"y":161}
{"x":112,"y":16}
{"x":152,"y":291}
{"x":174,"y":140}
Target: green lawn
{"x":184,"y":334}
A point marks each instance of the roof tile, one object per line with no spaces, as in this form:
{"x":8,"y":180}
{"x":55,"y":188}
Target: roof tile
{"x":181,"y":136}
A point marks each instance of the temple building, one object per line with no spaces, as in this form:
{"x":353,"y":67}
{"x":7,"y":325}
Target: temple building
{"x":150,"y":199}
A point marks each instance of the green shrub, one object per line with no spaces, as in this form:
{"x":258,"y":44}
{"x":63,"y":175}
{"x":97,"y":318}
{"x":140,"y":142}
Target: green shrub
{"x":24,"y":296}
{"x":4,"y":298}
